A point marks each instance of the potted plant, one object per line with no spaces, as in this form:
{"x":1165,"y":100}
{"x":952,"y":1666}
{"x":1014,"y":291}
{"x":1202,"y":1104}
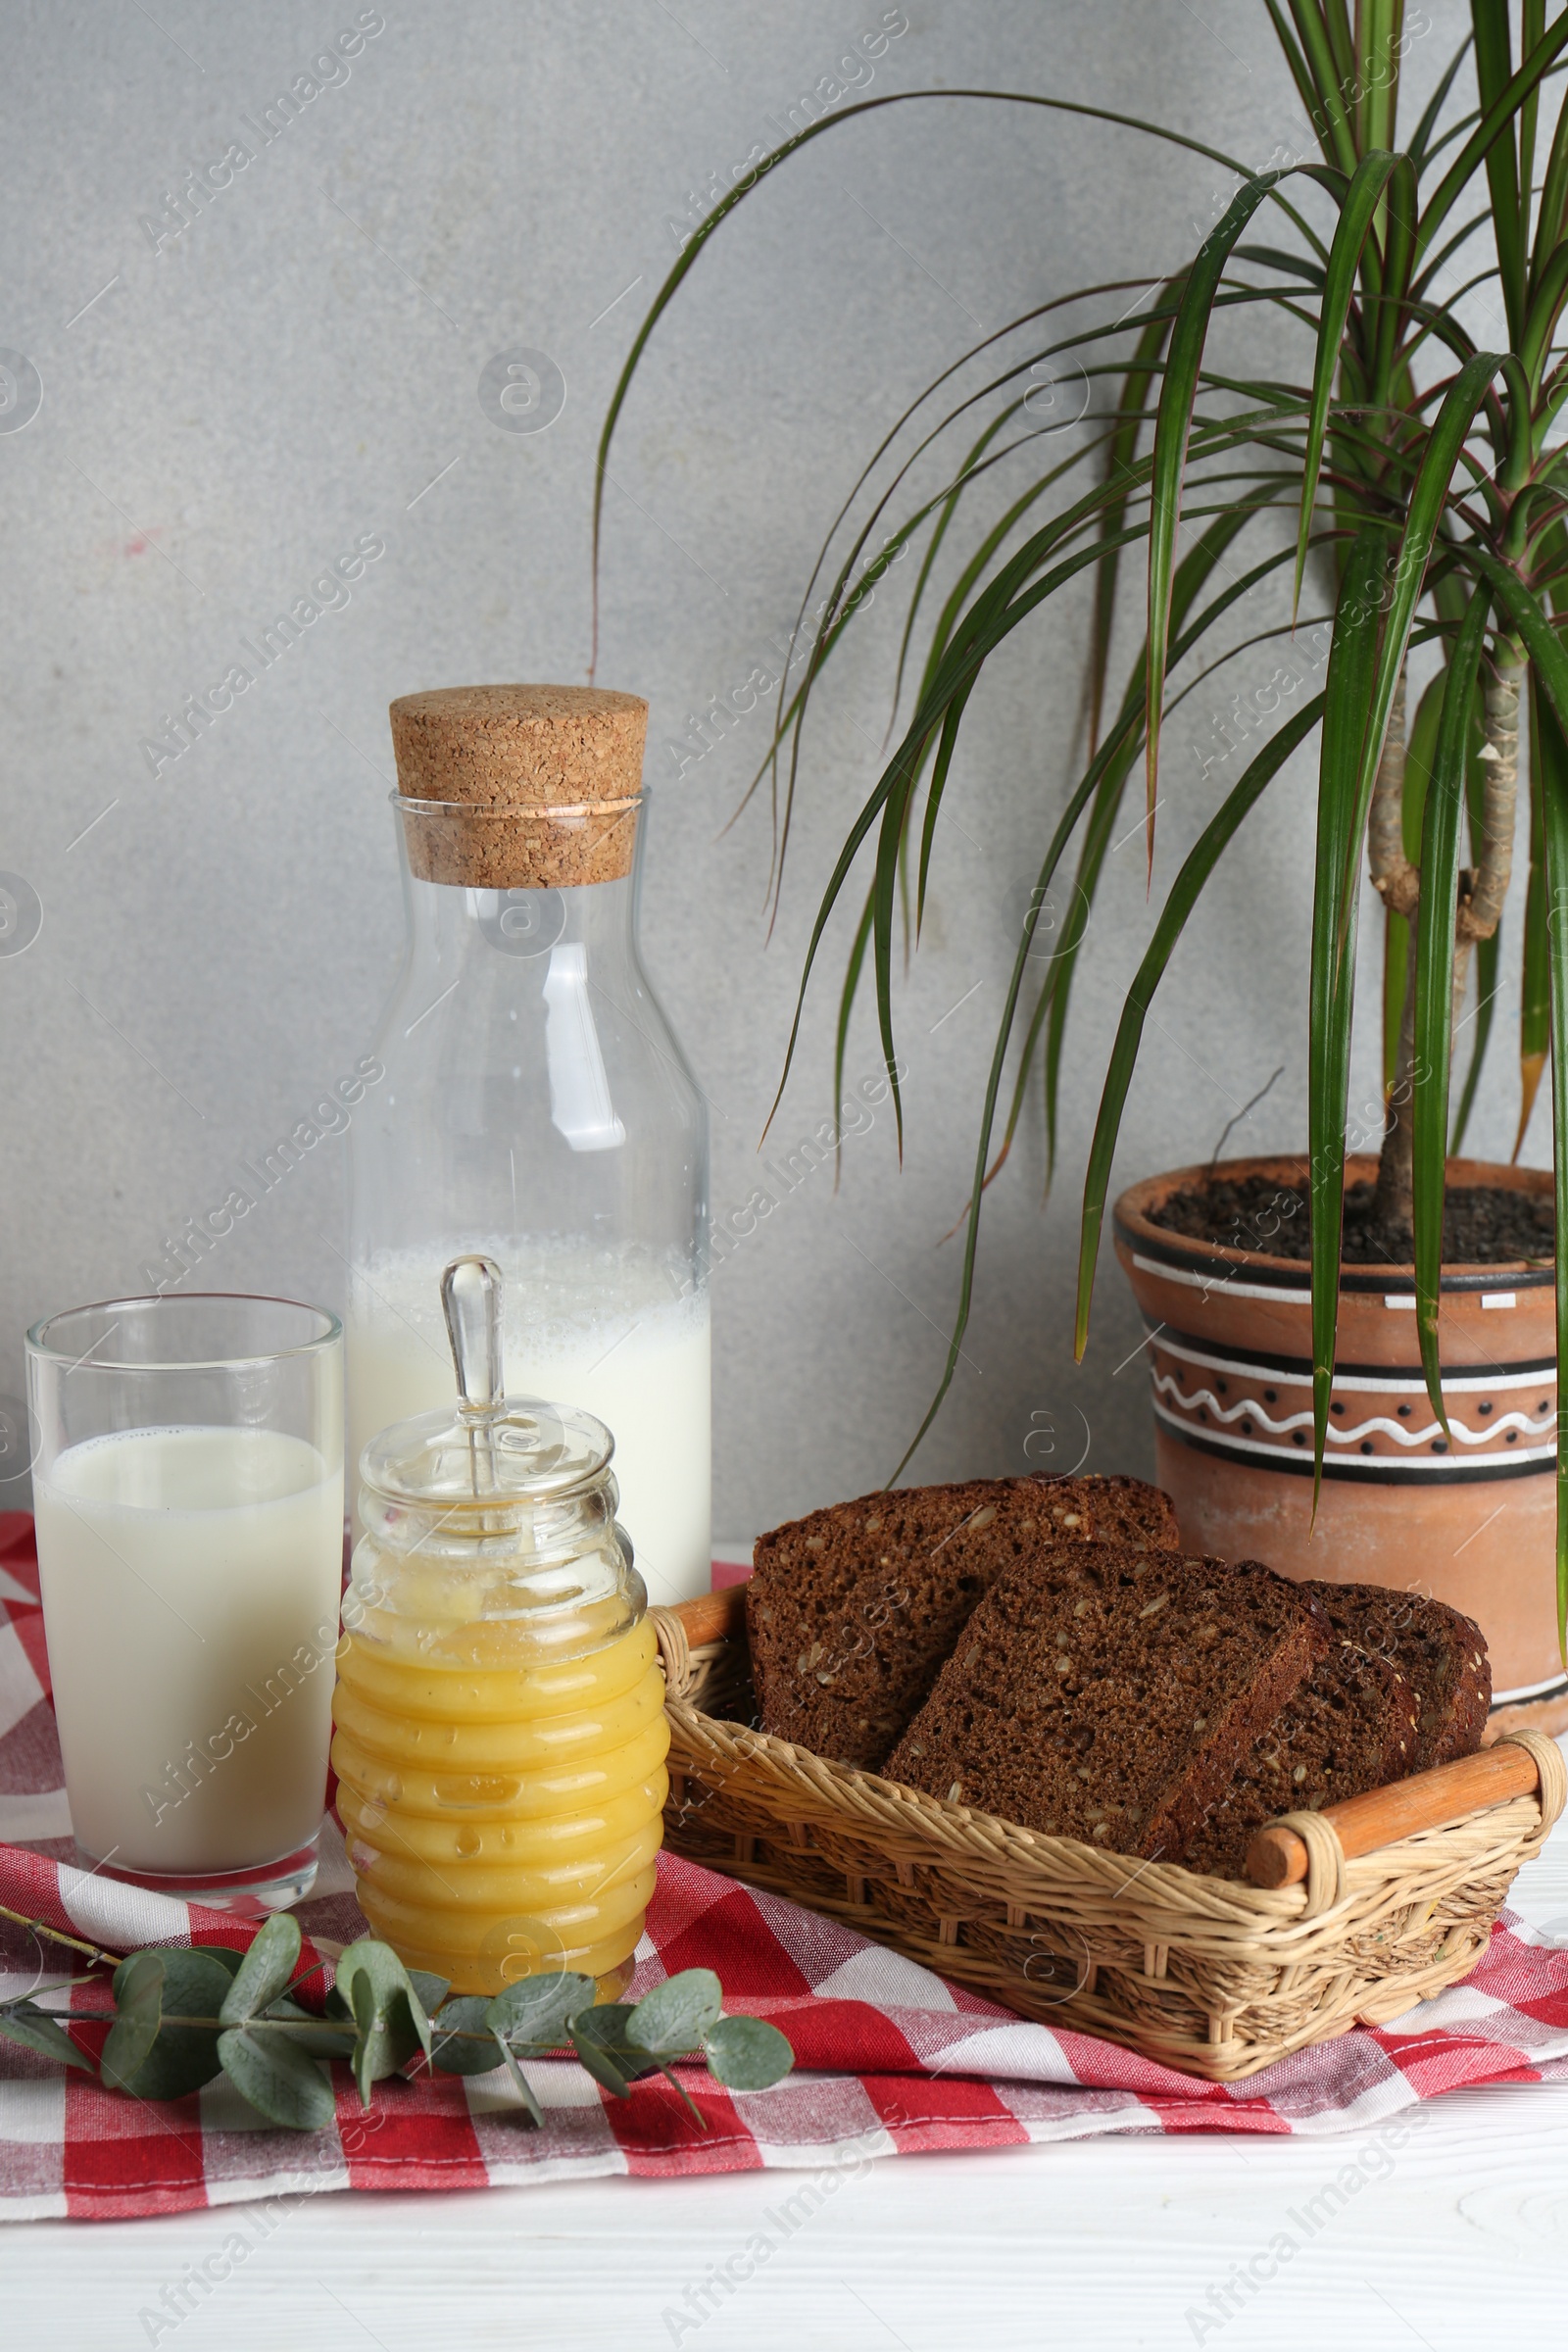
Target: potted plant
{"x":1353,"y":1351}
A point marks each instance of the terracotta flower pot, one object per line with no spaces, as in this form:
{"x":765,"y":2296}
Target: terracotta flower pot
{"x":1472,"y":1522}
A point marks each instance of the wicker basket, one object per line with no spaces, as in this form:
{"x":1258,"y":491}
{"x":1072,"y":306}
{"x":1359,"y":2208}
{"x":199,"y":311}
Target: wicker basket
{"x":1214,"y":1976}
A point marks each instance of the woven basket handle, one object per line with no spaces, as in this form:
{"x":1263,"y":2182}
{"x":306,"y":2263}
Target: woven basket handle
{"x":1521,"y":1764}
{"x":691,"y":1625}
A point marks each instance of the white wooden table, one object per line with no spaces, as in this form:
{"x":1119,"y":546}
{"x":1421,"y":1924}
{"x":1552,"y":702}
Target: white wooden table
{"x":1101,"y":2244}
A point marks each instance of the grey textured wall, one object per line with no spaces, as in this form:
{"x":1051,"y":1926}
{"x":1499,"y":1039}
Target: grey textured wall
{"x":300,"y":366}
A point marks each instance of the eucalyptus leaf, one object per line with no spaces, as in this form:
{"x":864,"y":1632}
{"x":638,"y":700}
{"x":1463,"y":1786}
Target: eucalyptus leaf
{"x":138,"y":1989}
{"x":387,"y":2034}
{"x":599,"y":2037}
{"x":673,"y":2017}
{"x":387,"y":2010}
{"x":432,"y":1988}
{"x":277,"y":2079}
{"x":34,"y":2029}
{"x":181,"y":2061}
{"x":195,"y":1982}
{"x":535,"y":2012}
{"x":265,"y":1971}
{"x":183,"y":2057}
{"x":125,"y":1973}
{"x":747,"y":2053}
{"x":454,"y":2048}
{"x":377,"y":1965}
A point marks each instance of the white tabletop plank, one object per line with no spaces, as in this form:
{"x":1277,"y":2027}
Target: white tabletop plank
{"x":1115,"y":2242}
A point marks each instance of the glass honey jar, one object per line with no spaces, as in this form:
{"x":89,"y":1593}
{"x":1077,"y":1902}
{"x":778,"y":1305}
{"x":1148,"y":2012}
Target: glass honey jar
{"x":500,"y":1729}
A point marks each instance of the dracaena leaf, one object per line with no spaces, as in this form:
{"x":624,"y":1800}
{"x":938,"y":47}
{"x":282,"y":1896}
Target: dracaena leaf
{"x":1119,"y":452}
{"x":1488,"y":959}
{"x":1495,"y":123}
{"x":1082,"y":795}
{"x":1555,"y":834}
{"x":1328,"y":76}
{"x":1493,"y":65}
{"x":1420,"y":745}
{"x":1356,"y":216}
{"x":1004,"y":612}
{"x":1433,"y":983}
{"x":1172,"y":430}
{"x":1427,"y":499}
{"x":827,"y":125}
{"x":1184,"y":893}
{"x":1331,"y":983}
{"x":1548,"y":746}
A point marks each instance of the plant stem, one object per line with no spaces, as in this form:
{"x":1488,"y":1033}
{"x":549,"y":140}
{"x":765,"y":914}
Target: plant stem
{"x":1398,"y":884}
{"x":37,"y":1927}
{"x":1480,"y":906}
{"x":310,"y":2025}
{"x":1396,"y":880}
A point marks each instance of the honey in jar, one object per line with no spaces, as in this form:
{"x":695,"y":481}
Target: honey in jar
{"x":500,"y":1732}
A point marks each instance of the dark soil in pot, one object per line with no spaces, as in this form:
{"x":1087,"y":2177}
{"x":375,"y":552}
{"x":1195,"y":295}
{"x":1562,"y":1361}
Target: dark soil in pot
{"x":1482,"y":1225}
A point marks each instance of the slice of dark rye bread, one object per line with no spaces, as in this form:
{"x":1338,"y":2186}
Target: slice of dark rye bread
{"x":1106,"y":1694}
{"x":1350,"y":1727}
{"x":852,"y":1611}
{"x":1440,"y":1654}
{"x":1406,"y":1683}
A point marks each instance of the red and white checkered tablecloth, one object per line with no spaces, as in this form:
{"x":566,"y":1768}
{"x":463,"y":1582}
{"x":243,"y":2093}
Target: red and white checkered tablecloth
{"x":891,"y":2060}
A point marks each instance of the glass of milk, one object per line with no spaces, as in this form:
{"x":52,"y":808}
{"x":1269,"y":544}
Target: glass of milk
{"x":188,"y":1494}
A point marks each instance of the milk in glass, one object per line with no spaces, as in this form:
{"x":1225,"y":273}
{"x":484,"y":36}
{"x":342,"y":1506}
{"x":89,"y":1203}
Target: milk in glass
{"x":190,"y":1580}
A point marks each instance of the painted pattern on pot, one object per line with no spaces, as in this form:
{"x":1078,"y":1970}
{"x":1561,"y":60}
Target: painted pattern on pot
{"x":1469,"y":1517}
{"x":1501,"y":1423}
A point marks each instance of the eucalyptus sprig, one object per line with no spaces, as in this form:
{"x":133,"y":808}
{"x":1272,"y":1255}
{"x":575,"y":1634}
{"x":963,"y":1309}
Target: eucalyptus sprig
{"x":184,"y":2017}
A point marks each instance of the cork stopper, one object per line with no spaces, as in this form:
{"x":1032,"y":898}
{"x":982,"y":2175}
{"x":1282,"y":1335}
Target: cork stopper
{"x":525,"y":787}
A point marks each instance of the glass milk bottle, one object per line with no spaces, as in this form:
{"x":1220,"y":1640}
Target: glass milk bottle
{"x":536,"y":1106}
{"x":500,"y":1707}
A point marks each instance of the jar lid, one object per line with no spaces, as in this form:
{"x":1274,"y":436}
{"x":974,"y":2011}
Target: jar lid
{"x":489,"y":1451}
{"x":522,"y":1450}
